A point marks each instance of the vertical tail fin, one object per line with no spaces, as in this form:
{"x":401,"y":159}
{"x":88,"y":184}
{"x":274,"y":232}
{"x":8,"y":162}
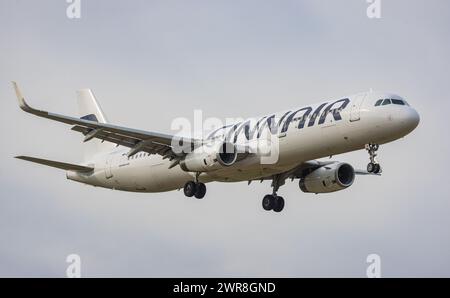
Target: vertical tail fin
{"x":89,"y":109}
{"x":88,"y":106}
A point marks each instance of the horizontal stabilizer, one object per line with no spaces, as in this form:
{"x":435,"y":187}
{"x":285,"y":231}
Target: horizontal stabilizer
{"x":56,"y":164}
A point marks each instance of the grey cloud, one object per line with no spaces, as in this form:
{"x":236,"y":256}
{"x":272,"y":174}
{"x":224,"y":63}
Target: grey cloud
{"x":229,"y":60}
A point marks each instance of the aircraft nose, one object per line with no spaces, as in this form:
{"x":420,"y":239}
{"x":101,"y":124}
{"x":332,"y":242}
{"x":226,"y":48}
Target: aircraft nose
{"x":410,"y":119}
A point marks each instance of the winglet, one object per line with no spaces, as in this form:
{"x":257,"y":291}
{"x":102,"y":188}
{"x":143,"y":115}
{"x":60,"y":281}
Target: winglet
{"x":23,"y":105}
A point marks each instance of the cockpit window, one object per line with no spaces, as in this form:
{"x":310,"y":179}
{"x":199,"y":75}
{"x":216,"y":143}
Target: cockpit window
{"x":398,"y":102}
{"x":388,"y":101}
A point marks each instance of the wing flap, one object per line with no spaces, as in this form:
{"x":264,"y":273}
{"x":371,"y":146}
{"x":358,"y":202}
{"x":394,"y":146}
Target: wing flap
{"x":152,"y":147}
{"x":56,"y":164}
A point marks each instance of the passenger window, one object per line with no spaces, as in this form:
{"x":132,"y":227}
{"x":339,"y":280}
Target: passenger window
{"x":398,"y":102}
{"x":386,"y":102}
{"x":378,"y":102}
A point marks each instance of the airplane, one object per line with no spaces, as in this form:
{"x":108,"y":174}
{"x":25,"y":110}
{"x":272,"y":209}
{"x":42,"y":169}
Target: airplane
{"x":133,"y":160}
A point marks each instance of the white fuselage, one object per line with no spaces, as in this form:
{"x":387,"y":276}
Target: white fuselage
{"x":358,"y":122}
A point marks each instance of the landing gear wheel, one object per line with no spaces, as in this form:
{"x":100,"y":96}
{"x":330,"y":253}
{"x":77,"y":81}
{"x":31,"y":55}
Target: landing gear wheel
{"x":190,"y":189}
{"x":377,"y":169}
{"x":373,"y":166}
{"x":268,"y":202}
{"x":272,"y":201}
{"x":200,"y":190}
{"x":279,"y":204}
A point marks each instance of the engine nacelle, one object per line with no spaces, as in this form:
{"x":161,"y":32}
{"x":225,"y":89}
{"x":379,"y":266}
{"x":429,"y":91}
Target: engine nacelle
{"x":328,"y":178}
{"x":210,"y":158}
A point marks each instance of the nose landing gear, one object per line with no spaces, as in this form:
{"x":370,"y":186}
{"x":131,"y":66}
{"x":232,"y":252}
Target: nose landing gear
{"x":373,"y":166}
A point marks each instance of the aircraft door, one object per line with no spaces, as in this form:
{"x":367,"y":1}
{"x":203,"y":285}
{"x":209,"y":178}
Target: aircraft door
{"x":108,"y":165}
{"x":355,"y":112}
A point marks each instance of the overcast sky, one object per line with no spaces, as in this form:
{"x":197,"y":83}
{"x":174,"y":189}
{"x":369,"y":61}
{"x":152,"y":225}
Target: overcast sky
{"x":149,"y":62}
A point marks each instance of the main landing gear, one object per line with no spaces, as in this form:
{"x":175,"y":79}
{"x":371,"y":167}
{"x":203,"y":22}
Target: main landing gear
{"x":373,"y":166}
{"x":273,"y":201}
{"x":195,"y":189}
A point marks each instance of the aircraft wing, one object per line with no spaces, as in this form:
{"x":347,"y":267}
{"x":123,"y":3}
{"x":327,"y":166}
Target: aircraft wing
{"x":315,"y":164}
{"x":303,"y":169}
{"x":364,"y":172}
{"x":137,"y":140}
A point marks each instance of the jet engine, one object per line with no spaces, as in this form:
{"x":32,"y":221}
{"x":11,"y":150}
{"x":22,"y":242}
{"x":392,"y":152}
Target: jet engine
{"x":210,"y":157}
{"x":328,"y":178}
